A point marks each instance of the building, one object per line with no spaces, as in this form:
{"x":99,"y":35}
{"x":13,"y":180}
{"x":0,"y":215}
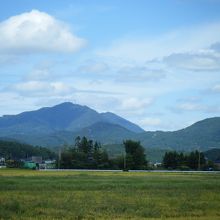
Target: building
{"x":30,"y":165}
{"x":48,"y":164}
{"x":2,"y":162}
{"x":32,"y":162}
{"x":36,"y":159}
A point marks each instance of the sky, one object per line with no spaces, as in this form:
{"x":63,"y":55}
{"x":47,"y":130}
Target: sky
{"x":155,"y":63}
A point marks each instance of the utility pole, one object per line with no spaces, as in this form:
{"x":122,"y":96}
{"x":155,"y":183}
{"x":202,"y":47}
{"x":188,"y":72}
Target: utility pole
{"x":124,"y":161}
{"x":59,"y":158}
{"x":199,"y":161}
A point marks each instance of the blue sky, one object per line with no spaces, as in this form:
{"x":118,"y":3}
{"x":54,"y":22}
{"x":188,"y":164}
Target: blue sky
{"x":156,"y":63}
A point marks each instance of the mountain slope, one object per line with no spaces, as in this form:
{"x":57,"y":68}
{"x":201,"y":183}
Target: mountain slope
{"x":62,"y":117}
{"x":115,"y":119}
{"x":202,"y":135}
{"x":45,"y":120}
{"x":54,"y":126}
{"x":13,"y":150}
{"x":104,"y":132}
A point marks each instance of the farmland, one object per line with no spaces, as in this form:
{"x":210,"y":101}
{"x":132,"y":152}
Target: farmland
{"x":26,"y":194}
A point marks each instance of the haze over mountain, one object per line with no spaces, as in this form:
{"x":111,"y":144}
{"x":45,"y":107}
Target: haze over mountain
{"x":54,"y":126}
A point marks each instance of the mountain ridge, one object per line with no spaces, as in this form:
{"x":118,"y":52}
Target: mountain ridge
{"x":60,"y":124}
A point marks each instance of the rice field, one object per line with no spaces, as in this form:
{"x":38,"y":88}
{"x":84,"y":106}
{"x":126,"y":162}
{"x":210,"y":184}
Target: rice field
{"x":26,"y":194}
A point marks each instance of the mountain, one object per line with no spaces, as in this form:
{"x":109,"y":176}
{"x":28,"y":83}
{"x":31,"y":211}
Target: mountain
{"x":115,"y":119}
{"x":202,"y":135}
{"x":54,"y":126}
{"x":65,"y":116}
{"x":212,"y":154}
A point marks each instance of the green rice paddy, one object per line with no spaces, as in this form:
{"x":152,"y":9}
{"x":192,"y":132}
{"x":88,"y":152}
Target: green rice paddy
{"x":26,"y":194}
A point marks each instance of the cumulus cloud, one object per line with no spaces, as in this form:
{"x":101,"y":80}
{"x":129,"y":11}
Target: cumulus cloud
{"x":36,"y":32}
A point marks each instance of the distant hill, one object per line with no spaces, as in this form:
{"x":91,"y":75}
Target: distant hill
{"x":213,"y":154}
{"x":15,"y":150}
{"x":55,"y":126}
{"x":104,"y":132}
{"x":202,"y":135}
{"x":63,"y":117}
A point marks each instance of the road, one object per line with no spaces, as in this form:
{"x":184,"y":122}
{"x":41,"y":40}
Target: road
{"x":147,"y":171}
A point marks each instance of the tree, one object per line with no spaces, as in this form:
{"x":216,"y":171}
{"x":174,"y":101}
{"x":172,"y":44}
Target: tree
{"x":135,"y":156}
{"x":177,"y":160}
{"x":196,"y":160}
{"x":85,"y":154}
{"x":171,"y":160}
{"x":77,"y":141}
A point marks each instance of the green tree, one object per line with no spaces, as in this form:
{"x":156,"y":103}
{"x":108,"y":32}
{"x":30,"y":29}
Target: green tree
{"x":171,"y":160}
{"x":196,"y":159}
{"x":135,"y":156}
{"x":175,"y":160}
{"x":85,"y":154}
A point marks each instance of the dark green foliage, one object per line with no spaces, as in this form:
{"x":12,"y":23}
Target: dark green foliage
{"x":135,"y":156}
{"x":174,"y":160}
{"x":84,"y":154}
{"x":213,"y":154}
{"x":196,"y":160}
{"x":15,"y":150}
{"x":14,"y":163}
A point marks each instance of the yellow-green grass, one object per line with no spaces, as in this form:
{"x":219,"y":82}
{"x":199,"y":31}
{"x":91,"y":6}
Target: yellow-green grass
{"x":26,"y":194}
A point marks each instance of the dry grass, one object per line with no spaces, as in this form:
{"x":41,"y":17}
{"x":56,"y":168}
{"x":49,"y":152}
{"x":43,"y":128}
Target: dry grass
{"x":108,"y":195}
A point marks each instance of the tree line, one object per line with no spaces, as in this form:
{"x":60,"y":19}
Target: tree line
{"x":12,"y":150}
{"x":87,"y":154}
{"x":194,"y":160}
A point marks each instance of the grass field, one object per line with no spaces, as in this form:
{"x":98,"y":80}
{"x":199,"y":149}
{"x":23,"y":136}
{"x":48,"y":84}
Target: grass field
{"x":108,"y":195}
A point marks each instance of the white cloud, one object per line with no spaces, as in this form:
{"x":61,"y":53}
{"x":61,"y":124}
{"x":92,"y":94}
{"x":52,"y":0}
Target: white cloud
{"x":178,"y":41}
{"x":188,"y":106}
{"x":216,"y":88}
{"x":9,"y":99}
{"x":149,"y":122}
{"x":199,"y":61}
{"x":39,"y":74}
{"x":36,"y":32}
{"x":93,"y":67}
{"x":39,"y":88}
{"x":216,"y":46}
{"x":140,"y":74}
{"x":133,"y":104}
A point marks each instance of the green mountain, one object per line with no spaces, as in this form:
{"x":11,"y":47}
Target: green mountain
{"x":202,"y":135}
{"x":55,"y":126}
{"x":65,"y":117}
{"x":212,"y":154}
